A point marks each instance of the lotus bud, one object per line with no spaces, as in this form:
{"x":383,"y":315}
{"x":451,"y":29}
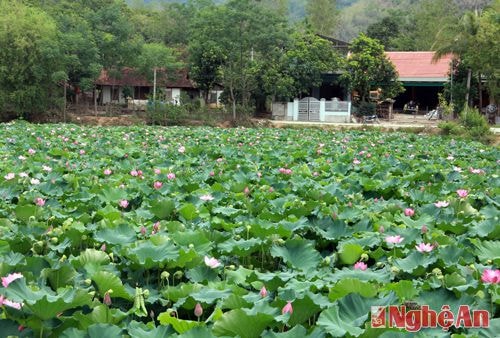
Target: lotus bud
{"x":198,"y":310}
{"x":107,"y":299}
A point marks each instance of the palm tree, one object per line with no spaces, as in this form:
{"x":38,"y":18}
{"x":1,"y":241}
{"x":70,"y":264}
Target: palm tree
{"x":458,"y":40}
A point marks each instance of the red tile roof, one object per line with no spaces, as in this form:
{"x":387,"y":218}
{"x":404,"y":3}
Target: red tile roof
{"x":129,"y":77}
{"x":418,"y":66}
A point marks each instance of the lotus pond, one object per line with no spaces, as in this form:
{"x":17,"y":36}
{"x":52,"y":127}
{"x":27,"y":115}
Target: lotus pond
{"x":205,"y":232}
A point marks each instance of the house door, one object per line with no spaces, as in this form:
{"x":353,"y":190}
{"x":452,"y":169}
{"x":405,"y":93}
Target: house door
{"x":309,"y":109}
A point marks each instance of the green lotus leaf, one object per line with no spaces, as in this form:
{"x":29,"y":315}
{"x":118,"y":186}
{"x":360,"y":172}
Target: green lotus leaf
{"x":201,"y":273}
{"x":188,"y":211}
{"x":404,"y":289}
{"x":179,"y":325}
{"x":337,"y":324}
{"x":141,"y":330}
{"x":237,"y":322}
{"x":347,"y":286}
{"x":298,"y":253}
{"x":209,"y":296}
{"x":296,"y":331}
{"x":451,"y":254}
{"x":487,"y":250}
{"x":242,"y":247}
{"x":162,"y":208}
{"x":104,"y":330}
{"x":197,"y":332}
{"x":149,"y":254}
{"x":349,"y":253}
{"x":45,"y":304}
{"x":122,"y":234}
{"x":415,"y":260}
{"x":60,"y":277}
{"x":24,"y":212}
{"x":108,"y":281}
{"x":234,"y":302}
{"x":73,"y":332}
{"x":93,"y":257}
{"x":382,"y":275}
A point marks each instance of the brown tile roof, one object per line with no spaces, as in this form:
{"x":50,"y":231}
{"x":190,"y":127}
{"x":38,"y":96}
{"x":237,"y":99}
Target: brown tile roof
{"x":130,"y":77}
{"x":418,"y":66}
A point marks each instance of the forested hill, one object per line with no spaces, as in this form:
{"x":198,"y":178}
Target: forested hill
{"x":355,"y":16}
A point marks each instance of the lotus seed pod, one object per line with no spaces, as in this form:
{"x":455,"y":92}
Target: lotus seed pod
{"x":165,"y":275}
{"x":395,"y":269}
{"x":54,"y":240}
{"x":231,"y":267}
{"x":191,"y":245}
{"x":436,"y":271}
{"x":327,"y":260}
{"x":88,"y":281}
{"x":84,"y":237}
{"x":480,"y":294}
{"x":364,"y":257}
{"x":146,"y":293}
{"x":178,"y":274}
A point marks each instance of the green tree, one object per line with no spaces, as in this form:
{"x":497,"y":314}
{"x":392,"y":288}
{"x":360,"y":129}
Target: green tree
{"x":300,"y":66}
{"x":154,"y":57}
{"x":235,"y":36}
{"x":485,"y":54}
{"x":30,"y":59}
{"x":459,"y":40}
{"x":368,"y":68}
{"x":322,"y":16}
{"x":385,"y":31}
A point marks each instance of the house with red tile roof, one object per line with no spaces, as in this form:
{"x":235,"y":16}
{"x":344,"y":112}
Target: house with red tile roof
{"x":116,"y":87}
{"x":422,"y":78}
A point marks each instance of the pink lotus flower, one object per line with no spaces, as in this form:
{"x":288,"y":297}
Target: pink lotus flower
{"x":441,"y":204}
{"x":476,"y":171}
{"x":9,"y":176}
{"x":211,"y":262}
{"x":424,"y":229}
{"x":157,"y":171}
{"x":360,"y":266}
{"x":107,"y":172}
{"x":424,"y":247}
{"x":212,"y":174}
{"x":35,"y":181}
{"x":381,"y":229}
{"x":409,"y":212}
{"x":47,"y":168}
{"x":103,"y":247}
{"x":31,"y":151}
{"x":394,"y":239}
{"x":143,"y":230}
{"x":10,"y":278}
{"x":287,"y":308}
{"x":263,"y":292}
{"x":9,"y":303}
{"x":157,"y":185}
{"x":123,"y":204}
{"x":462,"y":193}
{"x":134,"y":173}
{"x":39,"y":201}
{"x":206,"y":197}
{"x":491,"y":276}
{"x":171,"y":176}
{"x":198,"y":310}
{"x":356,"y":161}
{"x":181,"y":149}
{"x":246,"y":191}
{"x":82,"y":152}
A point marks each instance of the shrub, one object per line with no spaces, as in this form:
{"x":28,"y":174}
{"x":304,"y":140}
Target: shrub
{"x":367,"y":108}
{"x":451,"y":128}
{"x":475,"y":124}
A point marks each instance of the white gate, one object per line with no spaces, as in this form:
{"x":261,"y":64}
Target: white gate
{"x":309,"y":108}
